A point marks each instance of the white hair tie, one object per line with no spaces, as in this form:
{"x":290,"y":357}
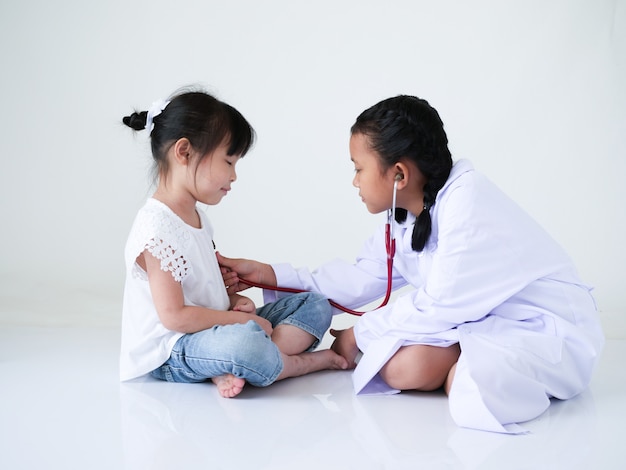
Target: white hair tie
{"x":155,"y":109}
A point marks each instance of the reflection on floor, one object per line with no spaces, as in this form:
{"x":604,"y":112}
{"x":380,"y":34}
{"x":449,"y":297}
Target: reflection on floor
{"x":63,"y":408}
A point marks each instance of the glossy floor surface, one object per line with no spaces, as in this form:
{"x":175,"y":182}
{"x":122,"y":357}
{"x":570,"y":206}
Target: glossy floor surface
{"x":62,"y":407}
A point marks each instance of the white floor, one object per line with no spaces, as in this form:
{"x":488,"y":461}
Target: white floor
{"x":62,"y":407}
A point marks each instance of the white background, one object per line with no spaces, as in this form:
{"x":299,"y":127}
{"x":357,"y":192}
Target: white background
{"x":532,"y":92}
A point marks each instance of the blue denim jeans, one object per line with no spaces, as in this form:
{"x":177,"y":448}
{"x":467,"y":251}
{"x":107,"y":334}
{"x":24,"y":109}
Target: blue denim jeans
{"x":244,"y":350}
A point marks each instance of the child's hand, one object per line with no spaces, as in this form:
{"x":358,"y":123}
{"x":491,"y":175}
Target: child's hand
{"x":254,"y":271}
{"x":239,"y":303}
{"x":243,"y":304}
{"x":345,"y":345}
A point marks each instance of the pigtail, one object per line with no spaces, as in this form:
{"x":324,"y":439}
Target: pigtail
{"x":401,"y":214}
{"x":136,"y":121}
{"x":423,"y":223}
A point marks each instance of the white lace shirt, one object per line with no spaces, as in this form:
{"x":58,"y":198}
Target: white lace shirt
{"x":188,"y":254}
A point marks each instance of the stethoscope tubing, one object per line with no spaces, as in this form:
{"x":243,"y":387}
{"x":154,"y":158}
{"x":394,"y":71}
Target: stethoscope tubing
{"x":389,"y":243}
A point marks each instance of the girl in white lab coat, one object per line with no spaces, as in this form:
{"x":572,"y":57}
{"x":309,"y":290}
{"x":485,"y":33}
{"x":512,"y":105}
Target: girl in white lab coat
{"x":498,"y":316}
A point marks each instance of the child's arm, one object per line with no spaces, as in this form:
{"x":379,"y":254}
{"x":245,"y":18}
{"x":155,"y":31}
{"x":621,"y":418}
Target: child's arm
{"x":168,"y":298}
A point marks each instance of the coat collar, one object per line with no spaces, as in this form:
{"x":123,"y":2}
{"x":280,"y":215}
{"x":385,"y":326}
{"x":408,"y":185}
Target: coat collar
{"x":459,"y":168}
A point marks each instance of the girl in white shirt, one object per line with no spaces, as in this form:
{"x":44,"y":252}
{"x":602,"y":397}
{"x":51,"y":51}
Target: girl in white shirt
{"x":498,"y":316}
{"x":179,"y":323}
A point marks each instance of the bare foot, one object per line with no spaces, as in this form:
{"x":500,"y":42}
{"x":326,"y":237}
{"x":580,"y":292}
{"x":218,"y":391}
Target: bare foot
{"x":345,"y":345}
{"x":228,"y":385}
{"x":305,"y":363}
{"x":333,"y":360}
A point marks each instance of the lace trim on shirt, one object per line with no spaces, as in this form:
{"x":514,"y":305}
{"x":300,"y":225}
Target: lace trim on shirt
{"x":170,"y":259}
{"x":166,"y":238}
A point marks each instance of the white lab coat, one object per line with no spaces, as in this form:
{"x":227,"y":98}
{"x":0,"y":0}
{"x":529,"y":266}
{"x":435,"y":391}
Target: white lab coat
{"x":489,"y":278}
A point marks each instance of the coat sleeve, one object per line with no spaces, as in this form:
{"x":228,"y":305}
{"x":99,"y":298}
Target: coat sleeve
{"x":350,"y":284}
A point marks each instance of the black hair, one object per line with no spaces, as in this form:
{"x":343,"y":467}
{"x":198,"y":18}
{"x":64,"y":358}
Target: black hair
{"x":201,"y":118}
{"x":407,"y":127}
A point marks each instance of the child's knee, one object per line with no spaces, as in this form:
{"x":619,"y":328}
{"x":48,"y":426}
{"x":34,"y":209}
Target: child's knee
{"x":313,"y":297}
{"x":314,"y":314}
{"x":419,"y":367}
{"x":319,"y":304}
{"x":255,"y":357}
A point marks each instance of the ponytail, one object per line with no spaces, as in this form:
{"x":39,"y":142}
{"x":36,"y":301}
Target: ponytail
{"x":136,"y":121}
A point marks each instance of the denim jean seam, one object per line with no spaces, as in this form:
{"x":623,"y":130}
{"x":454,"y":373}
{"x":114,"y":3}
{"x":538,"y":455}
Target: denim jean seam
{"x":266,"y":380}
{"x":303,"y":326}
{"x":188,"y":372}
{"x":167,"y":372}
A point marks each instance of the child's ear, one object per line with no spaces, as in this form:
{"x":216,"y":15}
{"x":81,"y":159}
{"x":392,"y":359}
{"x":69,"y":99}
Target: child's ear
{"x":401,"y":172}
{"x":183,"y":151}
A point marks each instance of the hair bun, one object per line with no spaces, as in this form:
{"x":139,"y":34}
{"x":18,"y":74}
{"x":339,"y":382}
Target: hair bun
{"x":136,"y":121}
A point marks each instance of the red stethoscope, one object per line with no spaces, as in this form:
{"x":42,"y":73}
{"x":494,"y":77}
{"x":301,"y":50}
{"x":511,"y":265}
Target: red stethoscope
{"x":390,"y":247}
